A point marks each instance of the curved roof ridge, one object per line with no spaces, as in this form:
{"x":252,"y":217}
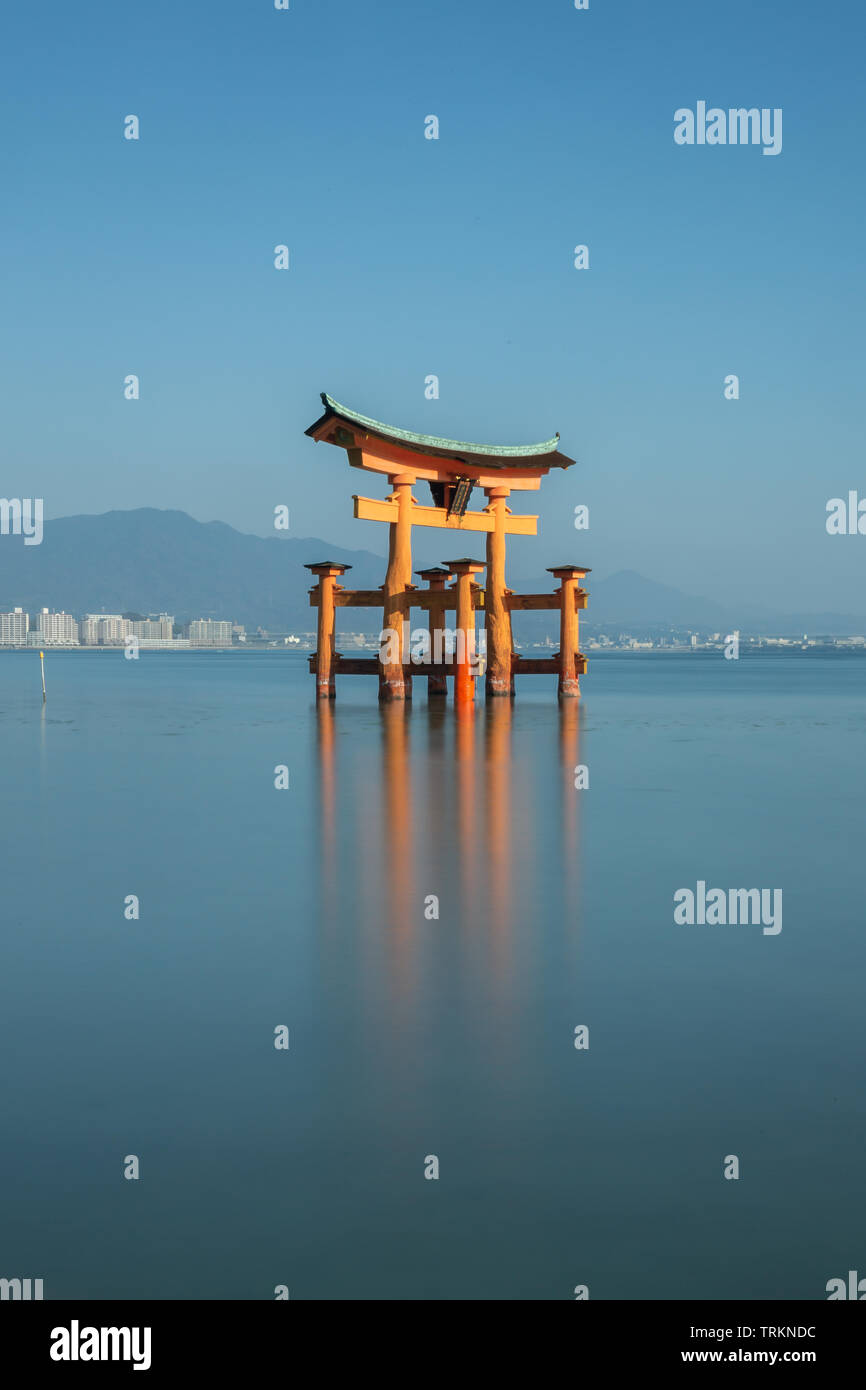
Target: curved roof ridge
{"x":432,"y":441}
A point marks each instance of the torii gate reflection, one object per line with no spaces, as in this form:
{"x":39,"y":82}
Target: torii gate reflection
{"x":436,"y":830}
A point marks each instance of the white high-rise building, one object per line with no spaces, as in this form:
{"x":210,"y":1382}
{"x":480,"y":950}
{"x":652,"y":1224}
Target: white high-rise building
{"x":157,"y":625}
{"x":210,"y":632}
{"x":104,"y":629}
{"x":56,"y":629}
{"x":14,"y":627}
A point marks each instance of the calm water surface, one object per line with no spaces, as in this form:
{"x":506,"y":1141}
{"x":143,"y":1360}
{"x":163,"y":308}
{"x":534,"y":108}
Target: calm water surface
{"x":413,"y":1035}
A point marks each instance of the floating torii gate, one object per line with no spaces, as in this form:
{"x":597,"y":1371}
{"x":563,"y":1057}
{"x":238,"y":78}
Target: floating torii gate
{"x":453,"y":470}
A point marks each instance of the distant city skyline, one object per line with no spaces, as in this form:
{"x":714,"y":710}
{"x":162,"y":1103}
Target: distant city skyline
{"x":58,"y":628}
{"x":159,"y":632}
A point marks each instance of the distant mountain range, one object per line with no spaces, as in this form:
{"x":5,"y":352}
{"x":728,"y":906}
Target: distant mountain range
{"x":148,"y":560}
{"x":153,"y":561}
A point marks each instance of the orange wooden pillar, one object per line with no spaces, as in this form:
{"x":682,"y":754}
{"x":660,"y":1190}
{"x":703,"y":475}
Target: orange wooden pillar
{"x":497,"y":617}
{"x":328,"y":573}
{"x":393,"y":685}
{"x":436,"y":578}
{"x":464,"y":679}
{"x":568,"y":576}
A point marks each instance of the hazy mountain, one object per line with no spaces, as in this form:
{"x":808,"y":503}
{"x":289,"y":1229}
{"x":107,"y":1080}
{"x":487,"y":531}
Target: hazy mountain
{"x":150,"y":560}
{"x":628,"y":600}
{"x":164,"y":561}
{"x":627,"y":597}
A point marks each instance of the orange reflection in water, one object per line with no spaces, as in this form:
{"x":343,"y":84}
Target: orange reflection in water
{"x":498,"y":828}
{"x":402,"y":899}
{"x":430,"y":803}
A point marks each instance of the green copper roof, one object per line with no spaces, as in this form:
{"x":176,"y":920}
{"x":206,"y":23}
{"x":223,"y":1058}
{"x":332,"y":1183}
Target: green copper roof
{"x":433,"y":443}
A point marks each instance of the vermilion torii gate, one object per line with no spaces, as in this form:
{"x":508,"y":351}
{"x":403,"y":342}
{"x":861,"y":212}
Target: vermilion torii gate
{"x":453,"y":470}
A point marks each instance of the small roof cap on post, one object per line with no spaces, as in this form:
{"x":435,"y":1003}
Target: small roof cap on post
{"x":434,"y":572}
{"x":327,"y":567}
{"x":566,"y":571}
{"x":465,"y":566}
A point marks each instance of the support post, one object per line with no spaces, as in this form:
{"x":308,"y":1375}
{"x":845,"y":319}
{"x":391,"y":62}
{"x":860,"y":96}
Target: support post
{"x":436,"y":578}
{"x":568,"y":576}
{"x":464,"y":678}
{"x":398,"y":580}
{"x":328,"y":573}
{"x":497,"y":618}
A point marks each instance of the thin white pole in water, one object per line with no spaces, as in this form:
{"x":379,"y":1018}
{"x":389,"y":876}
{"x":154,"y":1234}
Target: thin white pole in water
{"x":42,"y":661}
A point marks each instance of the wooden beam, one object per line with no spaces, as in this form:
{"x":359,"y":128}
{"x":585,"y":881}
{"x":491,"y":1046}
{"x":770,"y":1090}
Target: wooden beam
{"x":376,"y":509}
{"x":523,"y":602}
{"x":369,"y":666}
{"x":544,"y":666}
{"x":413,"y":598}
{"x":377,"y":456}
{"x":351,"y":598}
{"x":422,"y":598}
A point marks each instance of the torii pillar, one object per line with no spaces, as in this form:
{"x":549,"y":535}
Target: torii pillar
{"x":497,"y":617}
{"x":436,"y":578}
{"x":464,"y":678}
{"x":569,"y":577}
{"x":393,"y":684}
{"x":328,"y":574}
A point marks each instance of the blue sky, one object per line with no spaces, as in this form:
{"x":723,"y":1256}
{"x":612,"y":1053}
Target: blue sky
{"x":454,"y":257}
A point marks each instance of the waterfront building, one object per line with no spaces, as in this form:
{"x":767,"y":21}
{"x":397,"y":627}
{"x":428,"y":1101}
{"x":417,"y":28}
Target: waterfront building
{"x":54,"y":630}
{"x":104,"y":630}
{"x":210,"y":632}
{"x":14,"y":627}
{"x":159,"y":626}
